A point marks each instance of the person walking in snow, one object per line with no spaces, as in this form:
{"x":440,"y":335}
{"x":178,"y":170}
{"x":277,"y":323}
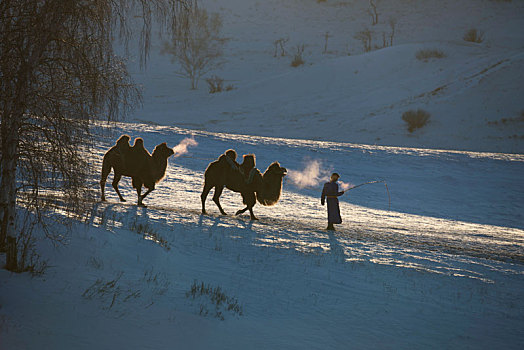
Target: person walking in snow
{"x":331,"y":192}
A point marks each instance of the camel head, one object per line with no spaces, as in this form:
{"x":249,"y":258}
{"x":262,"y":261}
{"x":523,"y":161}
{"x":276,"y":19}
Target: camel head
{"x":163,"y":151}
{"x":269,"y":193}
{"x":276,"y":170}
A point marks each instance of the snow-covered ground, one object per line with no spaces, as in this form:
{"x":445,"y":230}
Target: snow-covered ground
{"x":441,"y":267}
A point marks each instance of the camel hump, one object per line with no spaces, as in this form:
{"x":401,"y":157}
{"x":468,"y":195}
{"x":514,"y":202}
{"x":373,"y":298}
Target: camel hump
{"x":232,"y":154}
{"x":139,"y":151}
{"x":249,"y":161}
{"x":228,"y":161}
{"x":123,"y":141}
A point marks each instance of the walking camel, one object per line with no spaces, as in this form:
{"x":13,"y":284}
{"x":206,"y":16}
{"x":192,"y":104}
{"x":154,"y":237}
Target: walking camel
{"x":264,"y":188}
{"x":145,"y":169}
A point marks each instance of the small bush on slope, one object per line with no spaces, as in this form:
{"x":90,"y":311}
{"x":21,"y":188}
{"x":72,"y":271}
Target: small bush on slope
{"x":426,"y":54}
{"x":217,"y":297}
{"x":297,"y":58}
{"x":473,"y":35}
{"x":149,"y":233}
{"x":215,"y":83}
{"x":415,"y":119}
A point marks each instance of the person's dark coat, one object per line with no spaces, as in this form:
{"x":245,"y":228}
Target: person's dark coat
{"x":330,"y":191}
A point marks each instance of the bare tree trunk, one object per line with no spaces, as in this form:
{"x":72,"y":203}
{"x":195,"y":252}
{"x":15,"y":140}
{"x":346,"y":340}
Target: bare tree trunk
{"x":12,"y":255}
{"x":10,"y":143}
{"x":193,"y":81}
{"x":373,"y":12}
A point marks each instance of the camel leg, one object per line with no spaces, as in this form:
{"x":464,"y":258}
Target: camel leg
{"x":137,"y":184}
{"x":253,"y":217}
{"x":249,"y":200}
{"x":102,"y":185}
{"x":203,"y":196}
{"x":242,"y":211}
{"x":139,"y":194}
{"x":149,"y":190}
{"x":116,"y":180}
{"x":216,"y":198}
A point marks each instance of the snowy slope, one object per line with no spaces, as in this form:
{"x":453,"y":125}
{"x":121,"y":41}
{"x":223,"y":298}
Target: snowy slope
{"x":358,"y":98}
{"x":434,"y":271}
{"x":442,"y":267}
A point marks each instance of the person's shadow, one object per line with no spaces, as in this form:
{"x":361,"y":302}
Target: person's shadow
{"x":336,"y":249}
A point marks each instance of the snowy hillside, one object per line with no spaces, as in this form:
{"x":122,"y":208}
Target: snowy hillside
{"x":442,"y":268}
{"x":430,"y":256}
{"x":474,"y":94}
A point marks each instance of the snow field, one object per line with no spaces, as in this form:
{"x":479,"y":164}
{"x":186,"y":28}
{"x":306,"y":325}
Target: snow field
{"x":290,"y":299}
{"x":412,"y":277}
{"x":441,"y":268}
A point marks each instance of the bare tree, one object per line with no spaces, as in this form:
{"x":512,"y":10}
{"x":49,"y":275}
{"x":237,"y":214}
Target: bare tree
{"x":198,"y":50}
{"x":365,"y":36}
{"x":393,"y":26}
{"x":280,"y":43}
{"x":372,"y":10}
{"x":326,"y":37}
{"x":59,"y":74}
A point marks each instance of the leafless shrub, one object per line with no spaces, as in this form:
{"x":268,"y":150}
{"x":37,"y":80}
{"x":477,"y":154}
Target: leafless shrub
{"x":372,"y":10}
{"x":473,"y":35}
{"x":387,"y":40}
{"x":415,"y":119}
{"x":280,"y":43}
{"x":110,"y":292}
{"x":149,"y":233}
{"x":297,"y":57}
{"x":365,"y":36}
{"x":158,"y":282}
{"x":28,"y":259}
{"x":426,"y":54}
{"x":392,"y":26}
{"x":215,"y":83}
{"x":218,"y":299}
{"x":508,"y":121}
